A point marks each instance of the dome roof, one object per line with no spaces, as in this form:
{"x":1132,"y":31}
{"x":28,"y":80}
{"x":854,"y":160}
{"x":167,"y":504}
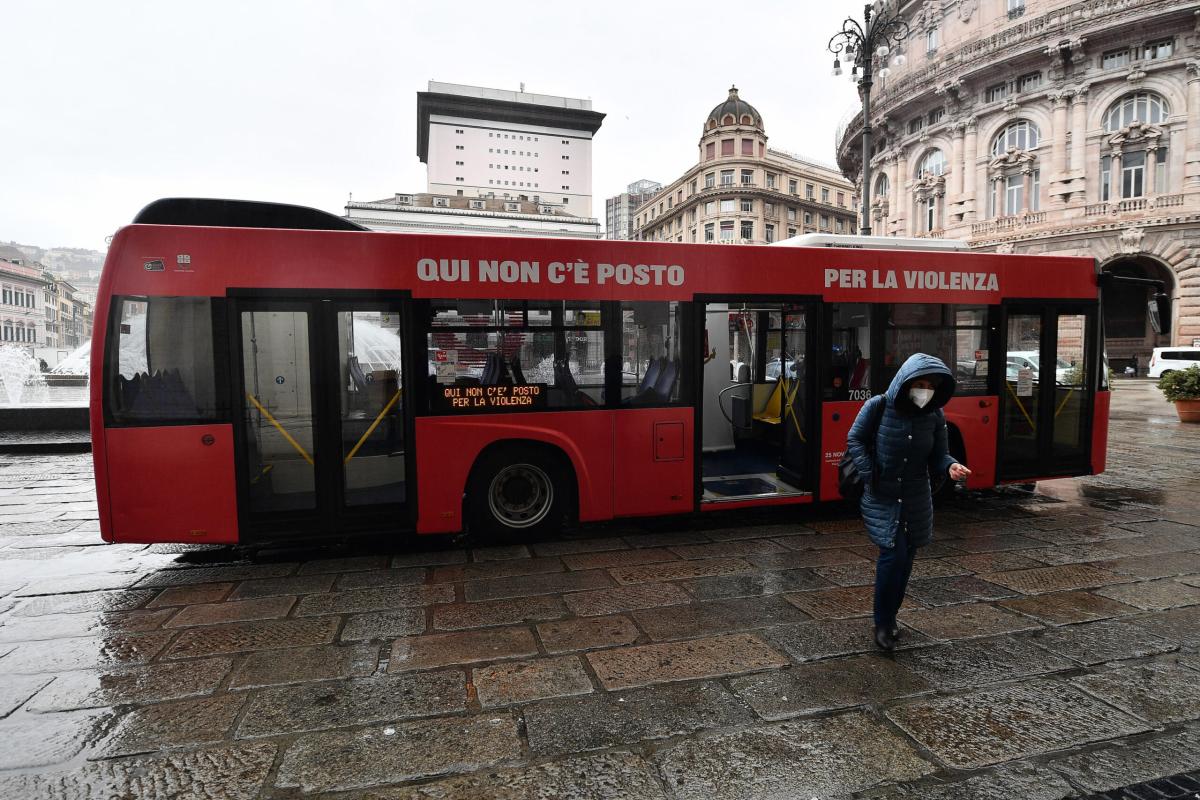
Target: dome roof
{"x":737,"y":107}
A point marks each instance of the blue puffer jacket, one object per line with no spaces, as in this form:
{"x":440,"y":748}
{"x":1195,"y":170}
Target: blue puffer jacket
{"x":910,"y":445}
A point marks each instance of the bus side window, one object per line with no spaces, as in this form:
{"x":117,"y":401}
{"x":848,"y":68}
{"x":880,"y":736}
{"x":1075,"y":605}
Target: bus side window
{"x":162,"y":370}
{"x":849,"y":373}
{"x":651,"y":362}
{"x":957,"y":334}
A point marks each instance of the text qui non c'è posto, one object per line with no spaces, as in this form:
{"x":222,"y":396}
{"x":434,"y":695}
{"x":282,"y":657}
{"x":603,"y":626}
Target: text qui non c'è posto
{"x":491,"y":396}
{"x":911,"y":279}
{"x":463,"y":270}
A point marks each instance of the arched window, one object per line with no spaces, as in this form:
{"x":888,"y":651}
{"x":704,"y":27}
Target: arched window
{"x":934,"y":163}
{"x":747,"y":119}
{"x":882,"y":187}
{"x":1019,"y":135}
{"x":1146,"y":107}
{"x":727,"y":119}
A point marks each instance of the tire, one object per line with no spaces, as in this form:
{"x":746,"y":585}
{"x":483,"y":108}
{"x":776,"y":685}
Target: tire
{"x":518,"y":492}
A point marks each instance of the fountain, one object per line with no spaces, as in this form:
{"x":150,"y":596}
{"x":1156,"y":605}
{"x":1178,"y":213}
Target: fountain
{"x":20,"y":379}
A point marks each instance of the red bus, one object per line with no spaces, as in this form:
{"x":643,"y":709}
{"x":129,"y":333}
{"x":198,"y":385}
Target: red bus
{"x":263,"y":371}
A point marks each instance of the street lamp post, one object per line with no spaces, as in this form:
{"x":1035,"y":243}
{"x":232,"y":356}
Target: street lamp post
{"x":881,"y":29}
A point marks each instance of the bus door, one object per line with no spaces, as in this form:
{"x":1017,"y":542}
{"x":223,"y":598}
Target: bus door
{"x":323,"y":424}
{"x":756,"y":434}
{"x":1047,"y":390}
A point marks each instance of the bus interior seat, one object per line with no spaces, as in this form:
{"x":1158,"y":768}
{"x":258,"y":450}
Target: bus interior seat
{"x":772,"y":412}
{"x":741,"y":372}
{"x":651,"y":377}
{"x":357,"y":377}
{"x":665,"y":385}
{"x":493,"y":370}
{"x":862,"y":374}
{"x":515,"y":373}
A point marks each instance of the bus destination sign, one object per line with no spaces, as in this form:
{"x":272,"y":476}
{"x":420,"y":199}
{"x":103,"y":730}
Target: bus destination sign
{"x":491,"y":398}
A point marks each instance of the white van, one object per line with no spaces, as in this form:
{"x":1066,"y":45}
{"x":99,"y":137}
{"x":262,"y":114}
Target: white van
{"x":1166,"y":359}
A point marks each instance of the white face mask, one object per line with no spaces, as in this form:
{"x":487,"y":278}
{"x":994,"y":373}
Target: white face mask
{"x":920,"y":397}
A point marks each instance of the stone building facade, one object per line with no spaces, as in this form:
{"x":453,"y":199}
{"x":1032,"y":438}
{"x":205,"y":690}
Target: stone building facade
{"x":742,"y":192}
{"x":1065,"y":127}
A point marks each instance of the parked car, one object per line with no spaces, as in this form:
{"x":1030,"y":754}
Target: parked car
{"x":1030,"y":359}
{"x":1167,"y":359}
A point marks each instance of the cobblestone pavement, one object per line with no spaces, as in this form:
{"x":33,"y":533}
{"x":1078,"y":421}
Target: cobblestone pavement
{"x":1051,"y":648}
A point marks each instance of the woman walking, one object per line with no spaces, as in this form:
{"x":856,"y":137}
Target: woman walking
{"x":897,"y":442}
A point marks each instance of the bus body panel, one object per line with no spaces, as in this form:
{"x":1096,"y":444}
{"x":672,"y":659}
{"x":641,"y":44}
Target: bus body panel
{"x":652,"y":462}
{"x":1100,"y":431}
{"x":447,"y":449}
{"x":975,"y":419}
{"x":836,"y":419}
{"x":177,"y":484}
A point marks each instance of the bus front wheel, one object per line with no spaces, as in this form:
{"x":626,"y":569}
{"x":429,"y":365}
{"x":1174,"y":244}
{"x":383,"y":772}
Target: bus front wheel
{"x":517,"y":493}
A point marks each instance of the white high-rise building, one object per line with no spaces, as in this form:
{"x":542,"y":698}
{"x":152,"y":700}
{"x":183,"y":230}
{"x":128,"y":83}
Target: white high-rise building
{"x":618,"y":211}
{"x":481,"y":142}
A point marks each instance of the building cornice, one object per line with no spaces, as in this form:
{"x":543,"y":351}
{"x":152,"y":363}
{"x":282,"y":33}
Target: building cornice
{"x":742,"y":190}
{"x":471,"y":212}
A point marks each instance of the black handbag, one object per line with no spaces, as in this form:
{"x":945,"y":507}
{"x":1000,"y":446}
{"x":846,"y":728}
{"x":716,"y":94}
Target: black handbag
{"x":850,"y":482}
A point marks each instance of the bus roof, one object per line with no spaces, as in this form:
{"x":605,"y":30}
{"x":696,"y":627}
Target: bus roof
{"x":870,"y":242}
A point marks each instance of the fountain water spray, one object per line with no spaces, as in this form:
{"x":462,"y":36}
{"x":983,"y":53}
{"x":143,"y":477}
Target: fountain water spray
{"x":20,"y":379}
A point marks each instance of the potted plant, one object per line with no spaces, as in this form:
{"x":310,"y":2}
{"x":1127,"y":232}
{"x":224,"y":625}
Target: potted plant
{"x":1182,"y":387}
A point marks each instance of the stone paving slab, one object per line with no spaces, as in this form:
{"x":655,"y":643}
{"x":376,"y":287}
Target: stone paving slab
{"x":1120,"y":764}
{"x":509,"y":568}
{"x":512,"y":682}
{"x":232,"y":611}
{"x":376,"y":599}
{"x":809,"y":641}
{"x":1098,"y":642}
{"x":84,"y":652}
{"x":83,"y":603}
{"x":528,"y":585}
{"x":446,"y":649}
{"x":429,"y":558}
{"x":625,"y":598}
{"x":1158,"y":692}
{"x":584,"y":544}
{"x":717,"y":616}
{"x":223,"y":773}
{"x":976,"y":662}
{"x":988,"y":544}
{"x":588,"y":633}
{"x":680,"y":570}
{"x":1153,"y":595}
{"x":618,"y":558}
{"x":1073,"y":554}
{"x":965,"y":621}
{"x":1066,"y":608}
{"x":953,"y":590}
{"x":174,"y":724}
{"x":1053,"y":579}
{"x":1180,"y":625}
{"x":608,"y":776}
{"x":1156,"y":565}
{"x":318,"y":706}
{"x":857,"y":573}
{"x":342,"y":564}
{"x":16,"y":689}
{"x":191,"y":595}
{"x":990,"y":726}
{"x":374,"y":578}
{"x":303,"y":665}
{"x":796,"y":759}
{"x":47,"y":739}
{"x":221,"y":574}
{"x":840,"y":603}
{"x":398,"y":752}
{"x":1017,"y":780}
{"x":828,"y":685}
{"x":290,"y":585}
{"x":64,"y":626}
{"x":754,"y":585}
{"x":461,"y":616}
{"x":244,"y":636}
{"x":796,"y":559}
{"x":643,"y":665}
{"x":606,"y":719}
{"x":134,"y":685}
{"x":383,"y":624}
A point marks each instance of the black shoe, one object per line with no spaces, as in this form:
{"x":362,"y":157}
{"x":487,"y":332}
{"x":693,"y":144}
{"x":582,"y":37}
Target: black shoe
{"x":884,"y":640}
{"x":895,"y":632}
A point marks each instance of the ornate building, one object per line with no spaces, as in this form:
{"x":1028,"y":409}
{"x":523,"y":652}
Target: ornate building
{"x":742,"y":192}
{"x":1067,"y":127}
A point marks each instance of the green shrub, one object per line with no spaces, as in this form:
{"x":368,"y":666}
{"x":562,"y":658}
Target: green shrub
{"x":1181,"y":384}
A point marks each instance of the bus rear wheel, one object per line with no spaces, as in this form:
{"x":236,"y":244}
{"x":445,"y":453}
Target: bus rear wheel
{"x":517,"y":493}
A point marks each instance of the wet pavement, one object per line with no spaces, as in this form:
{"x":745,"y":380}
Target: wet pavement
{"x":1051,"y":648}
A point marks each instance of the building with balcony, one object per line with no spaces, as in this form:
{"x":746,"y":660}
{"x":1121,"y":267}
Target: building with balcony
{"x":619,"y":210}
{"x":742,"y":192}
{"x":1064,"y":127}
{"x":22,"y":321}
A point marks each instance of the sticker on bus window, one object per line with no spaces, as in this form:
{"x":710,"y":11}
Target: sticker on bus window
{"x":445,"y":372}
{"x":1025,"y":382}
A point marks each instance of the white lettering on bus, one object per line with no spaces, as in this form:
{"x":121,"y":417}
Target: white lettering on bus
{"x":927,"y":280}
{"x":578,"y":272}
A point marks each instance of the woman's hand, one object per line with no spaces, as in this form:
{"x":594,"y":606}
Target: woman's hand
{"x":958,"y":472}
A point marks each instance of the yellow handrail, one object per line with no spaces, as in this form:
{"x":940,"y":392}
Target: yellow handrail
{"x":279,"y":428}
{"x":791,"y":409}
{"x":1064,"y":402}
{"x":374,"y":425}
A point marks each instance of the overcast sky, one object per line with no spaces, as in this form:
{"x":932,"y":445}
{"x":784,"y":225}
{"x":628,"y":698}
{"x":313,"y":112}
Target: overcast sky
{"x":110,"y":105}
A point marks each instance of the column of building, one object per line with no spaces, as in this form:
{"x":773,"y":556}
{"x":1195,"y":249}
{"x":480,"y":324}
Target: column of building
{"x":1192,"y":168}
{"x":1078,"y":167}
{"x":1058,"y":157}
{"x":970,"y":157}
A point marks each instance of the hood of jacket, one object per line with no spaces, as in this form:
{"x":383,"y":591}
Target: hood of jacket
{"x":920,"y":365}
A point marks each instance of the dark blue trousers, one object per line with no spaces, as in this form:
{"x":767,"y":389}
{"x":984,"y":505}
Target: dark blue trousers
{"x":891,"y":577}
